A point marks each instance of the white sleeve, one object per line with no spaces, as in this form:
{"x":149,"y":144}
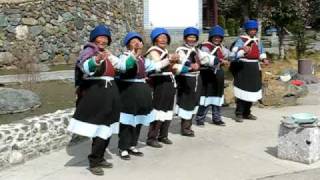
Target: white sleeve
{"x":182,"y":57}
{"x":226,"y":53}
{"x":118,"y":63}
{"x":207,"y":59}
{"x":149,"y":65}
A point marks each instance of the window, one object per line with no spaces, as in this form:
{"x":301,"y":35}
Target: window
{"x":172,"y":13}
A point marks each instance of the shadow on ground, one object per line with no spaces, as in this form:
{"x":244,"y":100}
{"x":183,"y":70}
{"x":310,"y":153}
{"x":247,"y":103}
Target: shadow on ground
{"x":80,"y":154}
{"x":273,"y":151}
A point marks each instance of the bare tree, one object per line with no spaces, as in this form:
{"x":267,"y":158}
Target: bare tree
{"x":26,"y":52}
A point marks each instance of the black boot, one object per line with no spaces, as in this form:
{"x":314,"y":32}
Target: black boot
{"x":153,"y":133}
{"x":238,"y":118}
{"x":96,"y":158}
{"x":165,"y":140}
{"x":164,"y":132}
{"x":186,"y":128}
{"x":105,"y":164}
{"x":134,"y":151}
{"x":216,"y":116}
{"x":154,"y":143}
{"x":98,"y":171}
{"x":124,"y":154}
{"x":201,"y":115}
{"x":250,"y":117}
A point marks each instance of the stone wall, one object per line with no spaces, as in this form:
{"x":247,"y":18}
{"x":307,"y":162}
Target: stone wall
{"x":33,"y":136}
{"x":61,"y":27}
{"x":14,"y":1}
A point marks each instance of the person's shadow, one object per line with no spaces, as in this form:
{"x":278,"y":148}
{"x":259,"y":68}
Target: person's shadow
{"x":273,"y":151}
{"x":228,"y":112}
{"x":80,"y":147}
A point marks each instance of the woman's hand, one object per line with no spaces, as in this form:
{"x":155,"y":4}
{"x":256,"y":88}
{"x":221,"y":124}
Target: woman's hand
{"x":195,"y":66}
{"x":174,"y":58}
{"x":137,"y":49}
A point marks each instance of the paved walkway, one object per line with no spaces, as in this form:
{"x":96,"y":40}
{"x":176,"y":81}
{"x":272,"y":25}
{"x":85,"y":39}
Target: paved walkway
{"x":235,"y":152}
{"x":43,"y":76}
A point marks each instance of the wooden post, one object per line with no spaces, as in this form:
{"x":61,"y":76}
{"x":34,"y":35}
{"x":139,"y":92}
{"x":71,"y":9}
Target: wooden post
{"x":215,"y":12}
{"x":306,"y":71}
{"x":305,"y":66}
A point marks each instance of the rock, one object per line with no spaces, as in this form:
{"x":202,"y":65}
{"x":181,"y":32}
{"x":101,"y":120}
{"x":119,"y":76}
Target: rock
{"x":299,"y":144}
{"x":51,"y":30}
{"x":228,"y":93}
{"x":42,"y":21}
{"x":22,"y":32}
{"x":44,"y":56}
{"x":273,"y":92}
{"x":2,"y":35}
{"x":29,"y":21}
{"x":79,"y":23}
{"x":93,"y":17}
{"x":14,"y":100}
{"x":63,"y":30}
{"x":50,"y":48}
{"x":76,"y":48}
{"x":13,"y":11}
{"x":3,"y":20}
{"x":35,"y":30}
{"x":16,"y":157}
{"x":73,"y":36}
{"x":4,"y":148}
{"x":67,"y":39}
{"x":56,"y":22}
{"x":67,"y":16}
{"x":43,"y":127}
{"x":11,"y":29}
{"x":6,"y":58}
{"x":14,"y":19}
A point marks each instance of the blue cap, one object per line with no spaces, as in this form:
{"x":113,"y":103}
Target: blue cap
{"x":131,"y":35}
{"x":216,"y":31}
{"x":191,"y":31}
{"x":251,"y":24}
{"x":100,"y":30}
{"x":157,"y":32}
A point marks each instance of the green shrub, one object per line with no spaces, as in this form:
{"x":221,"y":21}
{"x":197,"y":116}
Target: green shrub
{"x":222,"y":21}
{"x":231,"y":26}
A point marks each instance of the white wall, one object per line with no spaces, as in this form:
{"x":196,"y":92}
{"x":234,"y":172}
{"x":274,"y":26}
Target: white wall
{"x":172,"y":14}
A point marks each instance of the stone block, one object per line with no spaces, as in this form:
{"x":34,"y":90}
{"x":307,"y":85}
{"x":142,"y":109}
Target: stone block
{"x":16,"y":157}
{"x":301,"y":144}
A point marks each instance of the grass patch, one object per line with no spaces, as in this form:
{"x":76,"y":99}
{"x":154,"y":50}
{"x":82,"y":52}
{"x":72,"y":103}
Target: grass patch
{"x":55,"y":67}
{"x":54,"y":95}
{"x":8,"y":72}
{"x":61,"y":67}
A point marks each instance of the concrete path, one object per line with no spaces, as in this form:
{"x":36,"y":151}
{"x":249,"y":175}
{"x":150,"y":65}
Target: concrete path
{"x":43,"y":76}
{"x":235,"y":152}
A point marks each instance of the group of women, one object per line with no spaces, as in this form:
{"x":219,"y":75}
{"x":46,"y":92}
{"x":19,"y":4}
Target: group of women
{"x":118,"y":95}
